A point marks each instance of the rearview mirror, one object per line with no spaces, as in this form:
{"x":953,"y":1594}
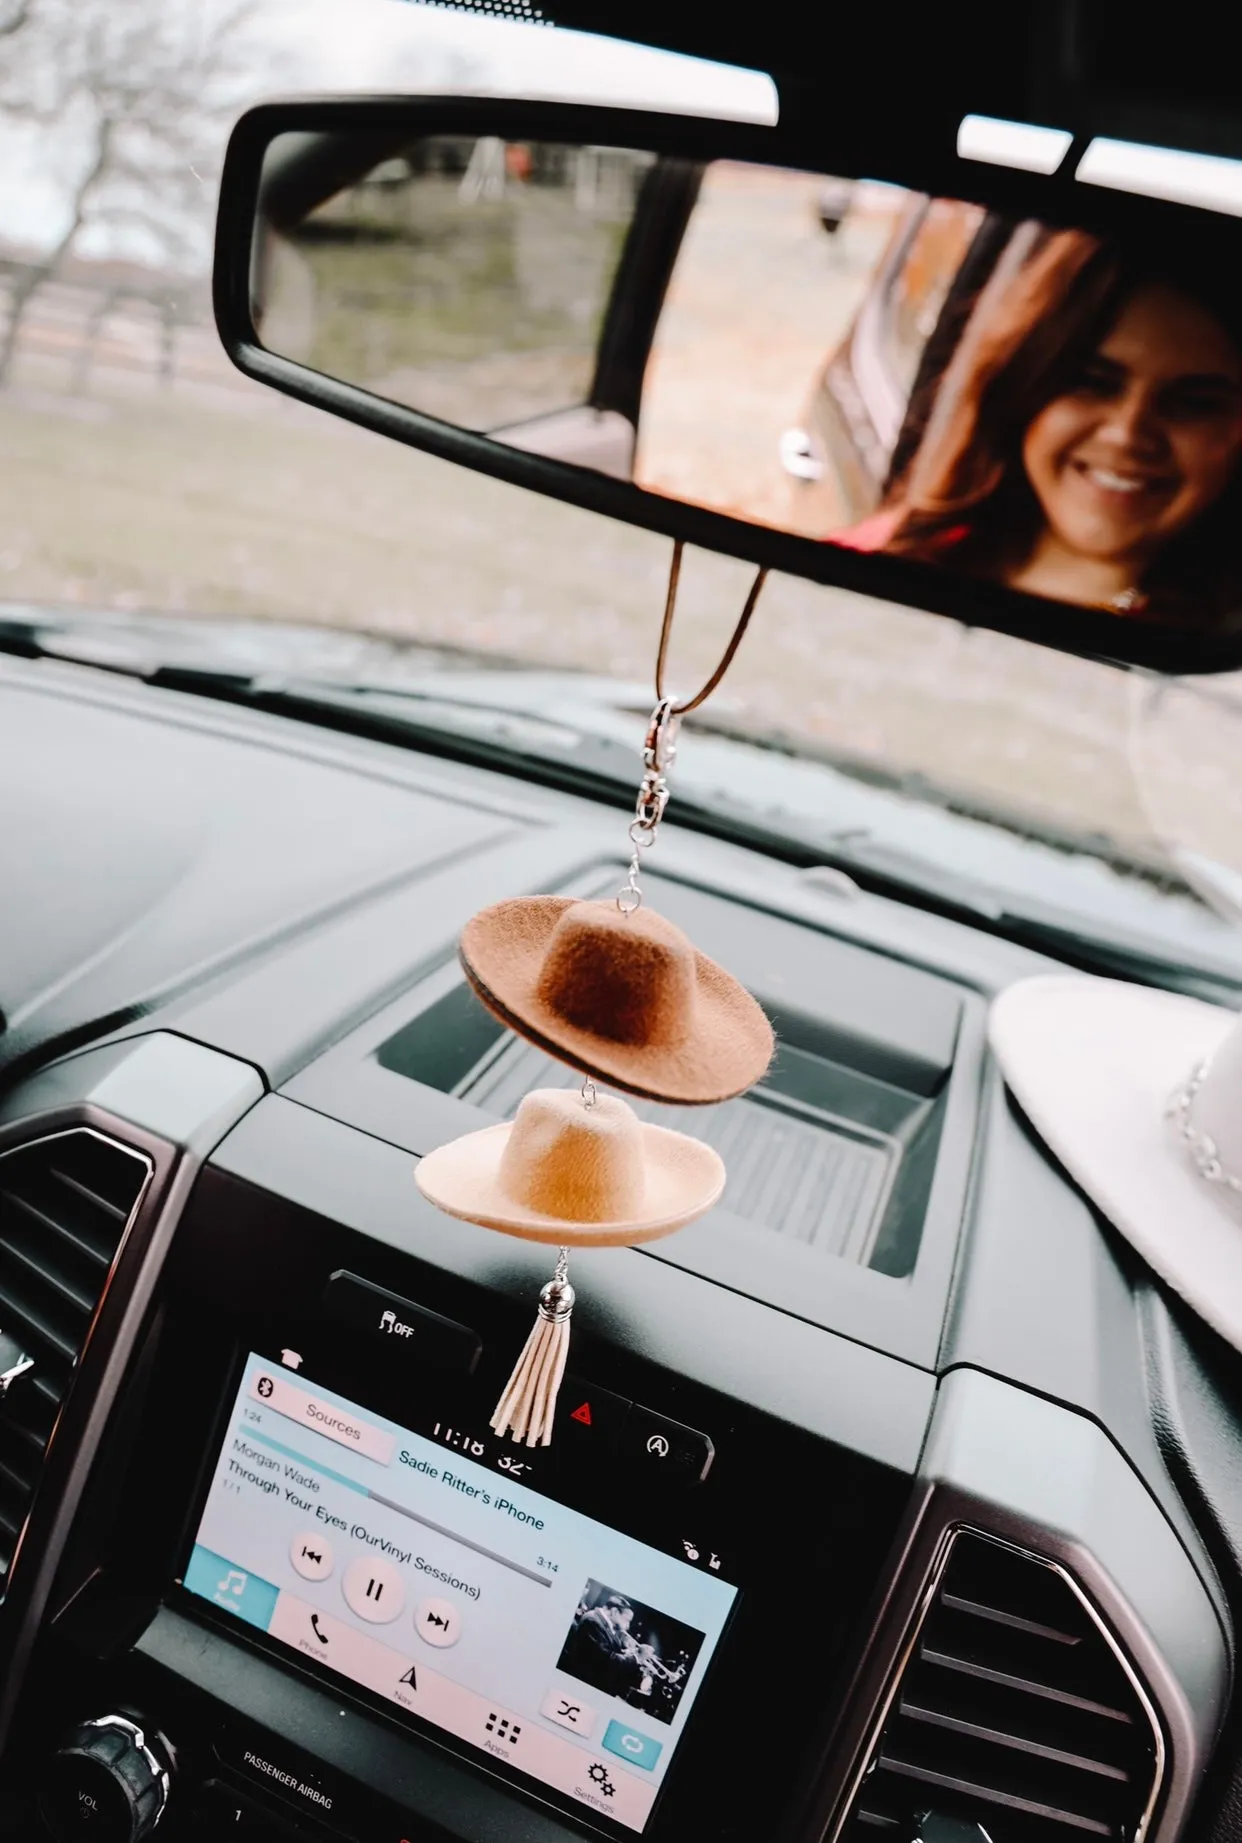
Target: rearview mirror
{"x":1019,"y":405}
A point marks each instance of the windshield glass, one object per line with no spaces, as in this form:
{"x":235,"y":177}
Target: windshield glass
{"x":140,"y":474}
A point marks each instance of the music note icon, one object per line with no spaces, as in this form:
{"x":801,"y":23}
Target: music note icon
{"x":234,"y":1582}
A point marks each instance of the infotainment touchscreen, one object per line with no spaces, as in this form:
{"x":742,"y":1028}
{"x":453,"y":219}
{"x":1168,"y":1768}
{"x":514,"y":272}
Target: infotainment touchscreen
{"x":559,"y":1647}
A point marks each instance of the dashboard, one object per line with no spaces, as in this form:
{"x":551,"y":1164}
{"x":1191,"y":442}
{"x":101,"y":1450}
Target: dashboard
{"x":918,"y":1505}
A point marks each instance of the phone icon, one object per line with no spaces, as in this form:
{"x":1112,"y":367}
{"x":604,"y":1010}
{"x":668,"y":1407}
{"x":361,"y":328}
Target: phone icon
{"x":321,"y":1636}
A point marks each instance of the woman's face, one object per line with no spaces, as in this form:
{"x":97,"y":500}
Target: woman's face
{"x":1147,"y":437}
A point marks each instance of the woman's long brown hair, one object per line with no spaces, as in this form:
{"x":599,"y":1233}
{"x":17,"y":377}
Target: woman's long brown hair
{"x":965,"y":498}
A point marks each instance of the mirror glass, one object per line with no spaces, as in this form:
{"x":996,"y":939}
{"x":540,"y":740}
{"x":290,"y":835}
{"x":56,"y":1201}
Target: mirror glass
{"x":848,"y":361}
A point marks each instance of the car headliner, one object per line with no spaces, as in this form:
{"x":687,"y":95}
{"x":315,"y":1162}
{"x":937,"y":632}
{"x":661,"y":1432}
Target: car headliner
{"x":1096,"y":66}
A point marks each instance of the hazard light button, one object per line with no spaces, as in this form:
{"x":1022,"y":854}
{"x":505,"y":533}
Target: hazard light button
{"x":588,"y":1416}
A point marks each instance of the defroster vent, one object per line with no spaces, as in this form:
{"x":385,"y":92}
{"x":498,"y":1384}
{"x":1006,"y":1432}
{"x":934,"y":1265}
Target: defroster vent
{"x":65,"y":1204}
{"x":1014,"y":1711}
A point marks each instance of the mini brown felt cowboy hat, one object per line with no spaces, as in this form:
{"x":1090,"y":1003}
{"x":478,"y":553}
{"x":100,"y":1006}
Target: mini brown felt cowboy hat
{"x":626,"y":997}
{"x":575,"y":1174}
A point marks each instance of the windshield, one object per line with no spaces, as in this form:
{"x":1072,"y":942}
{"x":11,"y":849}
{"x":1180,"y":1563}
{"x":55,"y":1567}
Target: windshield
{"x":140,"y":473}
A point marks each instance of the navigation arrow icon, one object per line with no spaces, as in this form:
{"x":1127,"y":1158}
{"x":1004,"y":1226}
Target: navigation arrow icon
{"x":410,"y":1678}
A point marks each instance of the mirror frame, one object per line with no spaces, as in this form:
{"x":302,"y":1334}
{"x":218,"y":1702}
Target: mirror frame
{"x":932,"y":166}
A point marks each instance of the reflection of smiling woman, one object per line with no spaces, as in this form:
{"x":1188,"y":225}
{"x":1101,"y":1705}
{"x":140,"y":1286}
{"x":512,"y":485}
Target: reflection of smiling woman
{"x":1084,"y":443}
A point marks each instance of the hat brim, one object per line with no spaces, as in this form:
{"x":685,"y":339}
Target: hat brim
{"x":1093,"y":1063}
{"x":683,"y":1178}
{"x":502,"y":952}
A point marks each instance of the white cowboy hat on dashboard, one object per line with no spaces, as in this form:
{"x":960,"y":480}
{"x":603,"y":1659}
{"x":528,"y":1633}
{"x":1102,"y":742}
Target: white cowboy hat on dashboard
{"x":1139,"y":1094}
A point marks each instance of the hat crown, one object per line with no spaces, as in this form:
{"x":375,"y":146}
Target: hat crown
{"x":1218,"y":1104}
{"x":572,"y":1161}
{"x":632,"y":978}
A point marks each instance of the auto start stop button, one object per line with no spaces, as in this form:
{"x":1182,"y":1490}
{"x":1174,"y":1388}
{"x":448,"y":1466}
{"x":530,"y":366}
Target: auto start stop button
{"x":397,"y":1329}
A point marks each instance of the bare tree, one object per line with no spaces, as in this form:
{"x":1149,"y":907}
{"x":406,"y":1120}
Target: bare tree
{"x":14,"y":16}
{"x":131,"y":94}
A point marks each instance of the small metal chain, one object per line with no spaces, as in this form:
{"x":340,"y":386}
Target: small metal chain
{"x":659,"y":754}
{"x":1204,"y":1153}
{"x":561,"y":1271}
{"x":589,"y":1096}
{"x":660,"y":749}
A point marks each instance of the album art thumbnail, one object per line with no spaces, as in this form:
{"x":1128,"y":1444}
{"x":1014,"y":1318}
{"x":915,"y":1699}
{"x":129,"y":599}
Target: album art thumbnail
{"x":624,"y":1648}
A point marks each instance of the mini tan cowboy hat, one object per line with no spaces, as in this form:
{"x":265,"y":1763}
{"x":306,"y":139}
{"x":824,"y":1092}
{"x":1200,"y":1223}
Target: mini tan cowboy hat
{"x":626,"y":997}
{"x":1139,"y":1094}
{"x":575,"y":1173}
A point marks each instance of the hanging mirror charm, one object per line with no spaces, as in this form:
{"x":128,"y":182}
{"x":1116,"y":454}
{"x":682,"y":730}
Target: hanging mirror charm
{"x":632,"y":1002}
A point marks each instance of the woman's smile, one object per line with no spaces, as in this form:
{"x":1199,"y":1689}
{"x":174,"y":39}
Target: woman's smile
{"x":1122,"y":495}
{"x":1108,"y":480}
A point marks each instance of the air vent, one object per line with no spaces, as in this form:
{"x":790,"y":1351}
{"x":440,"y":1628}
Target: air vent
{"x":1014,"y":1712}
{"x":65,"y":1203}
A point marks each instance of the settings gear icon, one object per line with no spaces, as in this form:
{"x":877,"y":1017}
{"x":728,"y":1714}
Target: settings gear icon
{"x":599,"y":1773}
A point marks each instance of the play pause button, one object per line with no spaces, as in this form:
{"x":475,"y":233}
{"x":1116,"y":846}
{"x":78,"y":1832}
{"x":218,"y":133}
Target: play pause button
{"x":374,"y":1590}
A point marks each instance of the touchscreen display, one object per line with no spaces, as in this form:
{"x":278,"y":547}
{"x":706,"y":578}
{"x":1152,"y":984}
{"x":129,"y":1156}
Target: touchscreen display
{"x":559,"y":1647}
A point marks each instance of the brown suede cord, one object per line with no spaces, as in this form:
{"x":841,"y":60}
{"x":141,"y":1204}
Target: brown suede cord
{"x":666,"y":629}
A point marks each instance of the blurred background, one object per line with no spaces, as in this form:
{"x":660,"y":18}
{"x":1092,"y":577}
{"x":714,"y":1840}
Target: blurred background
{"x":139,"y":471}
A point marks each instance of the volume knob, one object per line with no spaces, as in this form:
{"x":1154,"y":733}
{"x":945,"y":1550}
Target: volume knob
{"x":106,"y":1783}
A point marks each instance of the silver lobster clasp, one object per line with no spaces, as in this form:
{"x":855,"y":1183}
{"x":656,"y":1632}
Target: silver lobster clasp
{"x":660,"y":748}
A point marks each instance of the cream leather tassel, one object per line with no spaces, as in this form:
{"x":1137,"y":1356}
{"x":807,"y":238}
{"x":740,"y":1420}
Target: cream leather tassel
{"x":529,"y":1402}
